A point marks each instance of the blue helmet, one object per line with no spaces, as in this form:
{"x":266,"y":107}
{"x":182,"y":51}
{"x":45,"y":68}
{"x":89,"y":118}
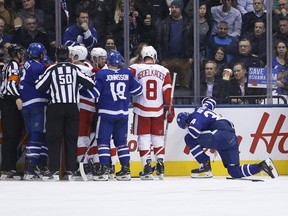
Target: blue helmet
{"x":35,"y":49}
{"x":210,"y":103}
{"x":183,"y":119}
{"x":114,"y":58}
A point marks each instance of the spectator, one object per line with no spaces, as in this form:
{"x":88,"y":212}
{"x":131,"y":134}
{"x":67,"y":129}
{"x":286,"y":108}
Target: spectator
{"x":9,"y":16}
{"x":245,"y":56}
{"x":157,"y":9}
{"x":205,"y":27}
{"x":30,"y":34}
{"x":100,"y":16}
{"x":221,"y":38}
{"x":282,"y":33}
{"x":117,"y":26}
{"x":137,"y":58}
{"x":246,"y":6}
{"x":210,"y":86}
{"x":279,"y":60}
{"x":258,"y":40}
{"x":81,"y":33}
{"x":29,"y":9}
{"x":176,"y":43}
{"x":110,"y":43}
{"x":4,"y":37}
{"x":238,"y":86}
{"x":12,"y":120}
{"x":220,"y":58}
{"x":282,"y":13}
{"x":248,"y":19}
{"x":231,"y":15}
{"x":282,"y":83}
{"x":67,"y":17}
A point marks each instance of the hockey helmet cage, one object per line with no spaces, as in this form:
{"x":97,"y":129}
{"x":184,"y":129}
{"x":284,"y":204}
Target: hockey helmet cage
{"x":98,"y":51}
{"x":35,"y":49}
{"x":14,"y":48}
{"x":183,"y":120}
{"x":149,"y":51}
{"x":114,"y":58}
{"x":209,"y":102}
{"x":80,"y":51}
{"x":62,"y":53}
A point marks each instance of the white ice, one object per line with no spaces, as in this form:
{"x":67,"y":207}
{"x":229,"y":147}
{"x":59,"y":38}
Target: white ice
{"x":178,"y":196}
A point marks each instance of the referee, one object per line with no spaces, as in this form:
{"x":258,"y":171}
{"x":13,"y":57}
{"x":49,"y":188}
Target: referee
{"x":63,"y":80}
{"x":12,"y":120}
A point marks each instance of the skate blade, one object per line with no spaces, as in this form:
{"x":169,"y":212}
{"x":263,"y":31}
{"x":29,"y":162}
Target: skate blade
{"x":147,"y":177}
{"x":161,"y":176}
{"x":101,"y":178}
{"x":202,"y":175}
{"x":53,"y":178}
{"x":272,"y":168}
{"x":30,"y":177}
{"x":111,"y":176}
{"x":123,"y":178}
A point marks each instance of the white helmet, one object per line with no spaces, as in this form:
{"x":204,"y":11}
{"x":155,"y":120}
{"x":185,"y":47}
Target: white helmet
{"x":98,"y":51}
{"x":150,"y":52}
{"x":80,"y":51}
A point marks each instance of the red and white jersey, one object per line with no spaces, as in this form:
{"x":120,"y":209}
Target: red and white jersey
{"x":155,"y":79}
{"x":86,"y":103}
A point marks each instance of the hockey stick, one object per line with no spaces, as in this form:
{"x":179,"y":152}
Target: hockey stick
{"x":245,"y":179}
{"x":81,"y":163}
{"x":170,"y":107}
{"x":20,"y":149}
{"x":169,"y":111}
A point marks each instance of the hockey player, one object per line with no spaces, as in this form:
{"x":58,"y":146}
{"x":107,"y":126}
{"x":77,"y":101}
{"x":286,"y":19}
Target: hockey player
{"x":98,"y":58}
{"x":34,"y":112}
{"x":206,"y":129}
{"x":115,"y":86}
{"x":12,"y":120}
{"x":148,"y":110}
{"x":86,"y":108}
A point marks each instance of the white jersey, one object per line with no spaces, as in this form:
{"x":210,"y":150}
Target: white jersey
{"x":86,"y":102}
{"x":155,"y":79}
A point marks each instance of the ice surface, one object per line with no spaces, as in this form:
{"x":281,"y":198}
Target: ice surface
{"x":179,"y":196}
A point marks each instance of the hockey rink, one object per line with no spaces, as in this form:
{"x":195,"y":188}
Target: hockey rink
{"x":178,"y":196}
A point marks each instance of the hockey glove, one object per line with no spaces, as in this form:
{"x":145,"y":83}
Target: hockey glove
{"x":169,"y":116}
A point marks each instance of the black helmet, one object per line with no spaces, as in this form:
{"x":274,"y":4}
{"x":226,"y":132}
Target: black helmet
{"x":14,"y":48}
{"x":62,"y":53}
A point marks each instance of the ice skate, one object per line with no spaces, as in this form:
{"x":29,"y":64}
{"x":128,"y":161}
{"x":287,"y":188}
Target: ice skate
{"x":31,"y":171}
{"x":204,"y":171}
{"x":102,"y":174}
{"x":124,"y":174}
{"x":146,"y":174}
{"x":51,"y":176}
{"x":72,"y":176}
{"x":160,"y":168}
{"x":111,"y":172}
{"x":269,"y":167}
{"x":10,"y":175}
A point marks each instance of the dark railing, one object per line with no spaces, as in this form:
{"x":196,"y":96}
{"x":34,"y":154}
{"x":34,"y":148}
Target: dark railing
{"x":253,"y":99}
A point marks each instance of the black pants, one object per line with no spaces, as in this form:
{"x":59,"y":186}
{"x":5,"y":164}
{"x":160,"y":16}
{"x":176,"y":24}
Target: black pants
{"x":12,"y":129}
{"x":62,"y":120}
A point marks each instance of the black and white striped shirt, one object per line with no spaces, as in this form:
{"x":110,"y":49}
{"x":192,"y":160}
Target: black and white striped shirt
{"x":10,"y":80}
{"x":63,"y":80}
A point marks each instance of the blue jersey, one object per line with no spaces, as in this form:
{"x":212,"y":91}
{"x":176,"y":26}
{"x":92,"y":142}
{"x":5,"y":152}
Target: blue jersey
{"x":115,"y":88}
{"x":28,"y":93}
{"x":203,"y":119}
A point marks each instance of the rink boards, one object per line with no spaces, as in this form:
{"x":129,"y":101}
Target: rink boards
{"x":262,"y":132}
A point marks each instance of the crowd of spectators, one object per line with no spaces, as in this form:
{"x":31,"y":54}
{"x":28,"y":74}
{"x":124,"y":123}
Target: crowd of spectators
{"x":232,"y":32}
